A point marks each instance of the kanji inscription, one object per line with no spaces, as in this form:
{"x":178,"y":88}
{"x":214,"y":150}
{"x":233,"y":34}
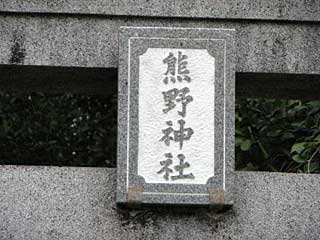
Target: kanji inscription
{"x":182,"y":134}
{"x":176,"y":116}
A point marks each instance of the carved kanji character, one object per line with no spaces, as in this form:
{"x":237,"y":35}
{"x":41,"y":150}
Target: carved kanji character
{"x":180,"y":168}
{"x":176,"y":95}
{"x":176,"y":135}
{"x":172,"y":74}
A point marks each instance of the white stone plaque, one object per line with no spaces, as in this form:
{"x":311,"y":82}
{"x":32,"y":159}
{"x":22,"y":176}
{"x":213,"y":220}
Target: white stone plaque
{"x":196,"y":96}
{"x":175,"y":116}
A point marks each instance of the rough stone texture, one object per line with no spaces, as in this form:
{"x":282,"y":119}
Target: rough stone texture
{"x":79,"y":203}
{"x":93,"y":42}
{"x":295,"y":10}
{"x":139,"y":148}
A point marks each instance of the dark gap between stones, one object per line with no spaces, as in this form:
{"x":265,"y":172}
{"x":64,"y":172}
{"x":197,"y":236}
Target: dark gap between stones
{"x":59,"y":130}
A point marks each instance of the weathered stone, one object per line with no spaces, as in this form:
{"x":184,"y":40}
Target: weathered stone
{"x":176,"y":116}
{"x":294,"y":10}
{"x":79,"y":203}
{"x":93,"y":42}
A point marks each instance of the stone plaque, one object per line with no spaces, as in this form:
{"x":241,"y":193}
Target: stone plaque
{"x":175,"y":116}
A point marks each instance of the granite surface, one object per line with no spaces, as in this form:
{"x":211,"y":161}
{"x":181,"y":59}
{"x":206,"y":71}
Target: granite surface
{"x":93,"y":42}
{"x":216,"y":188}
{"x":294,"y":10}
{"x":79,"y":203}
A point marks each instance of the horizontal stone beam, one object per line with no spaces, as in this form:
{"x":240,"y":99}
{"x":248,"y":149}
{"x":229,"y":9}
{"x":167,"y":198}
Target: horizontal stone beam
{"x":292,"y":10}
{"x":93,"y":42}
{"x":79,"y":203}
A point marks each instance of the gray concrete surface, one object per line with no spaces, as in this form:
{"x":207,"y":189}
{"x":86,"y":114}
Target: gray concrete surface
{"x":79,"y":203}
{"x":294,"y":10}
{"x":93,"y":42}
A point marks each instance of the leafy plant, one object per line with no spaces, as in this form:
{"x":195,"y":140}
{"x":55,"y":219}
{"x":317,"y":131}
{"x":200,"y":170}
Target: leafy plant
{"x":278,"y":135}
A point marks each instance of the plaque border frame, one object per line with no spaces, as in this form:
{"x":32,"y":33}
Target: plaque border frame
{"x":132,"y":192}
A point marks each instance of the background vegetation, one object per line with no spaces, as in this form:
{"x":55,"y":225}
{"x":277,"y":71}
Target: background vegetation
{"x":278,"y":135}
{"x":63,"y":130}
{"x":78,"y":130}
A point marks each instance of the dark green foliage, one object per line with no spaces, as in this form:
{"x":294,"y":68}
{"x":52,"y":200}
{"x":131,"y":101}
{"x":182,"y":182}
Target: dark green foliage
{"x":66,"y":130}
{"x":278,"y":135}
